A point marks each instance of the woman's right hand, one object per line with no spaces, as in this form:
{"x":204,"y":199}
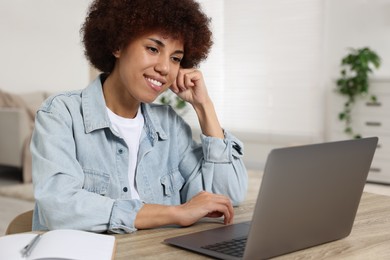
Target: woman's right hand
{"x":205,"y":204}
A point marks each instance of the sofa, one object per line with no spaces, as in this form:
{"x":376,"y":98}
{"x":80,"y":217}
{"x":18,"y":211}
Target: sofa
{"x":17,"y":112}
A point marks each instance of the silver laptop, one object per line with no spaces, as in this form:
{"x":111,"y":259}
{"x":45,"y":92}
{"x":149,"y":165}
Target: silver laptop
{"x":309,"y":195}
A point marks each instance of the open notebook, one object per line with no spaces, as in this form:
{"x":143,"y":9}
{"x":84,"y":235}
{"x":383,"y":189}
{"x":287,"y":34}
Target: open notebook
{"x":309,"y":195}
{"x":59,"y":244}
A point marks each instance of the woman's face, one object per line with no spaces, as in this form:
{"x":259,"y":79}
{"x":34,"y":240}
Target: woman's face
{"x":147,"y":66}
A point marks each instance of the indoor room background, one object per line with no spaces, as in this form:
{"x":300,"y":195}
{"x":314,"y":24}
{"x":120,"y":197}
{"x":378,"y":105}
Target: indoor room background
{"x":271,"y":72}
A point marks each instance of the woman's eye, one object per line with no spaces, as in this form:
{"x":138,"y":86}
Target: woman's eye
{"x":176,"y":59}
{"x":152,"y":49}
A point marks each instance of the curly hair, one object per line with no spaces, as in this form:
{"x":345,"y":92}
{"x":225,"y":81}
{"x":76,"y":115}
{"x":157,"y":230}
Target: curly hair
{"x":111,"y":25}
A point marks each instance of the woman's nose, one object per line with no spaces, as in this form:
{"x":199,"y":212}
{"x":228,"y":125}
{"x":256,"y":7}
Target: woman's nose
{"x":162,"y":66}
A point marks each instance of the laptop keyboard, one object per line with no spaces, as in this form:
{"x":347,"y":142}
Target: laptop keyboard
{"x":234,"y":247}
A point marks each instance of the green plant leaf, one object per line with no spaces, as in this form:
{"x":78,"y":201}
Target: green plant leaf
{"x":354,"y":81}
{"x":348,"y":130}
{"x":342,"y":116}
{"x":180,"y":103}
{"x":169,"y":98}
{"x":164,"y":100}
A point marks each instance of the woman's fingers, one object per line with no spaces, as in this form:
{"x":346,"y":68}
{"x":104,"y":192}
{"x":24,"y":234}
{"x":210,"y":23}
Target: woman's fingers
{"x":190,"y":86}
{"x":224,"y":207}
{"x":186,"y":78}
{"x":180,"y":80}
{"x":222,"y":211}
{"x":206,"y":204}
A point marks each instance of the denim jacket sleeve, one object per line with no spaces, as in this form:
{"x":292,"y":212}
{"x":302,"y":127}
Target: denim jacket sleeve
{"x":65,"y":196}
{"x":218,"y":167}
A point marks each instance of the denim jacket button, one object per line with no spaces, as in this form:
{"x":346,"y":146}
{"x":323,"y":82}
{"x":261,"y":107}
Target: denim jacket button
{"x":120,"y":151}
{"x":125,"y":189}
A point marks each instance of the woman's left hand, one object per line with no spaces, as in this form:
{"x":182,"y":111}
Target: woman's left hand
{"x":190,"y":86}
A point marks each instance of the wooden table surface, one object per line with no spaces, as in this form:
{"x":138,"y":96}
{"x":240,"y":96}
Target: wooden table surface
{"x":370,"y":237}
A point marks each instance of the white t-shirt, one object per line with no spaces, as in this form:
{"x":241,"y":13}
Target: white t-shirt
{"x":130,"y":130}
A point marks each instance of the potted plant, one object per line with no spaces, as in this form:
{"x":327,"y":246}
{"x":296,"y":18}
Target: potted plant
{"x":354,"y":82}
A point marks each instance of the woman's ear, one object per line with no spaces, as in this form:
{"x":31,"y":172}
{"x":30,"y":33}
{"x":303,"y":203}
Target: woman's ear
{"x":117,"y":53}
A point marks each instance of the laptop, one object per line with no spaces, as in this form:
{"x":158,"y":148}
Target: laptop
{"x":309,"y":195}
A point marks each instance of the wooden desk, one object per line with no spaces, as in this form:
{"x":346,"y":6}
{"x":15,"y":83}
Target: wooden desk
{"x":370,"y":237}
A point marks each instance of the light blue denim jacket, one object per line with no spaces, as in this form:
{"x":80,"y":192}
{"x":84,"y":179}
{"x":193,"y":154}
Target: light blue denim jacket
{"x":80,"y":164}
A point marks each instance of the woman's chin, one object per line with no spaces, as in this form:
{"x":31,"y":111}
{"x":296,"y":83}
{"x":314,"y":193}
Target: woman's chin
{"x":149,"y":100}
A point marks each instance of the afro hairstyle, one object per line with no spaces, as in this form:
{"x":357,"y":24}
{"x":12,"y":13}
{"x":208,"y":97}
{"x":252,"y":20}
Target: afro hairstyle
{"x":111,"y":25}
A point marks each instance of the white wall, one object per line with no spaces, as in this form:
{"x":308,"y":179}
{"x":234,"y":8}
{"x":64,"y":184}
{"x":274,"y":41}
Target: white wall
{"x":357,"y":24}
{"x":273,"y":58}
{"x":40,"y":47}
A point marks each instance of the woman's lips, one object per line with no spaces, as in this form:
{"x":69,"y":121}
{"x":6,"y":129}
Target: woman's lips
{"x":154,"y":84}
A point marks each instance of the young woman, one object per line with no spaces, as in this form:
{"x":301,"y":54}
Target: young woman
{"x":106,"y":158}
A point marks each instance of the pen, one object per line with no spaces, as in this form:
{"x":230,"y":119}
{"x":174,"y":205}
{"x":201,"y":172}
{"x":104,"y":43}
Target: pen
{"x":26,"y":251}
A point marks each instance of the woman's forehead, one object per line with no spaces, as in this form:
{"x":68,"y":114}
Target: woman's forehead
{"x":163,"y":37}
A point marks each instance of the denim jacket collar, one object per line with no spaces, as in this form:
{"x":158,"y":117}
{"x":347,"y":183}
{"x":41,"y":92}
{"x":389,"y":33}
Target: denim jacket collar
{"x":152,"y":124}
{"x":96,"y":117}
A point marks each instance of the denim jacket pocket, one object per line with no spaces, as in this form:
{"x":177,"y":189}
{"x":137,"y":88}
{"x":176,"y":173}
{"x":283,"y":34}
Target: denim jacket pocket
{"x":96,"y":182}
{"x":172,"y":183}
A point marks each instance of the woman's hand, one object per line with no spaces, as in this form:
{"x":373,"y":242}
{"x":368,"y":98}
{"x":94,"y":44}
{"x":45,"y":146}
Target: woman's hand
{"x":205,"y":204}
{"x":190,"y":87}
